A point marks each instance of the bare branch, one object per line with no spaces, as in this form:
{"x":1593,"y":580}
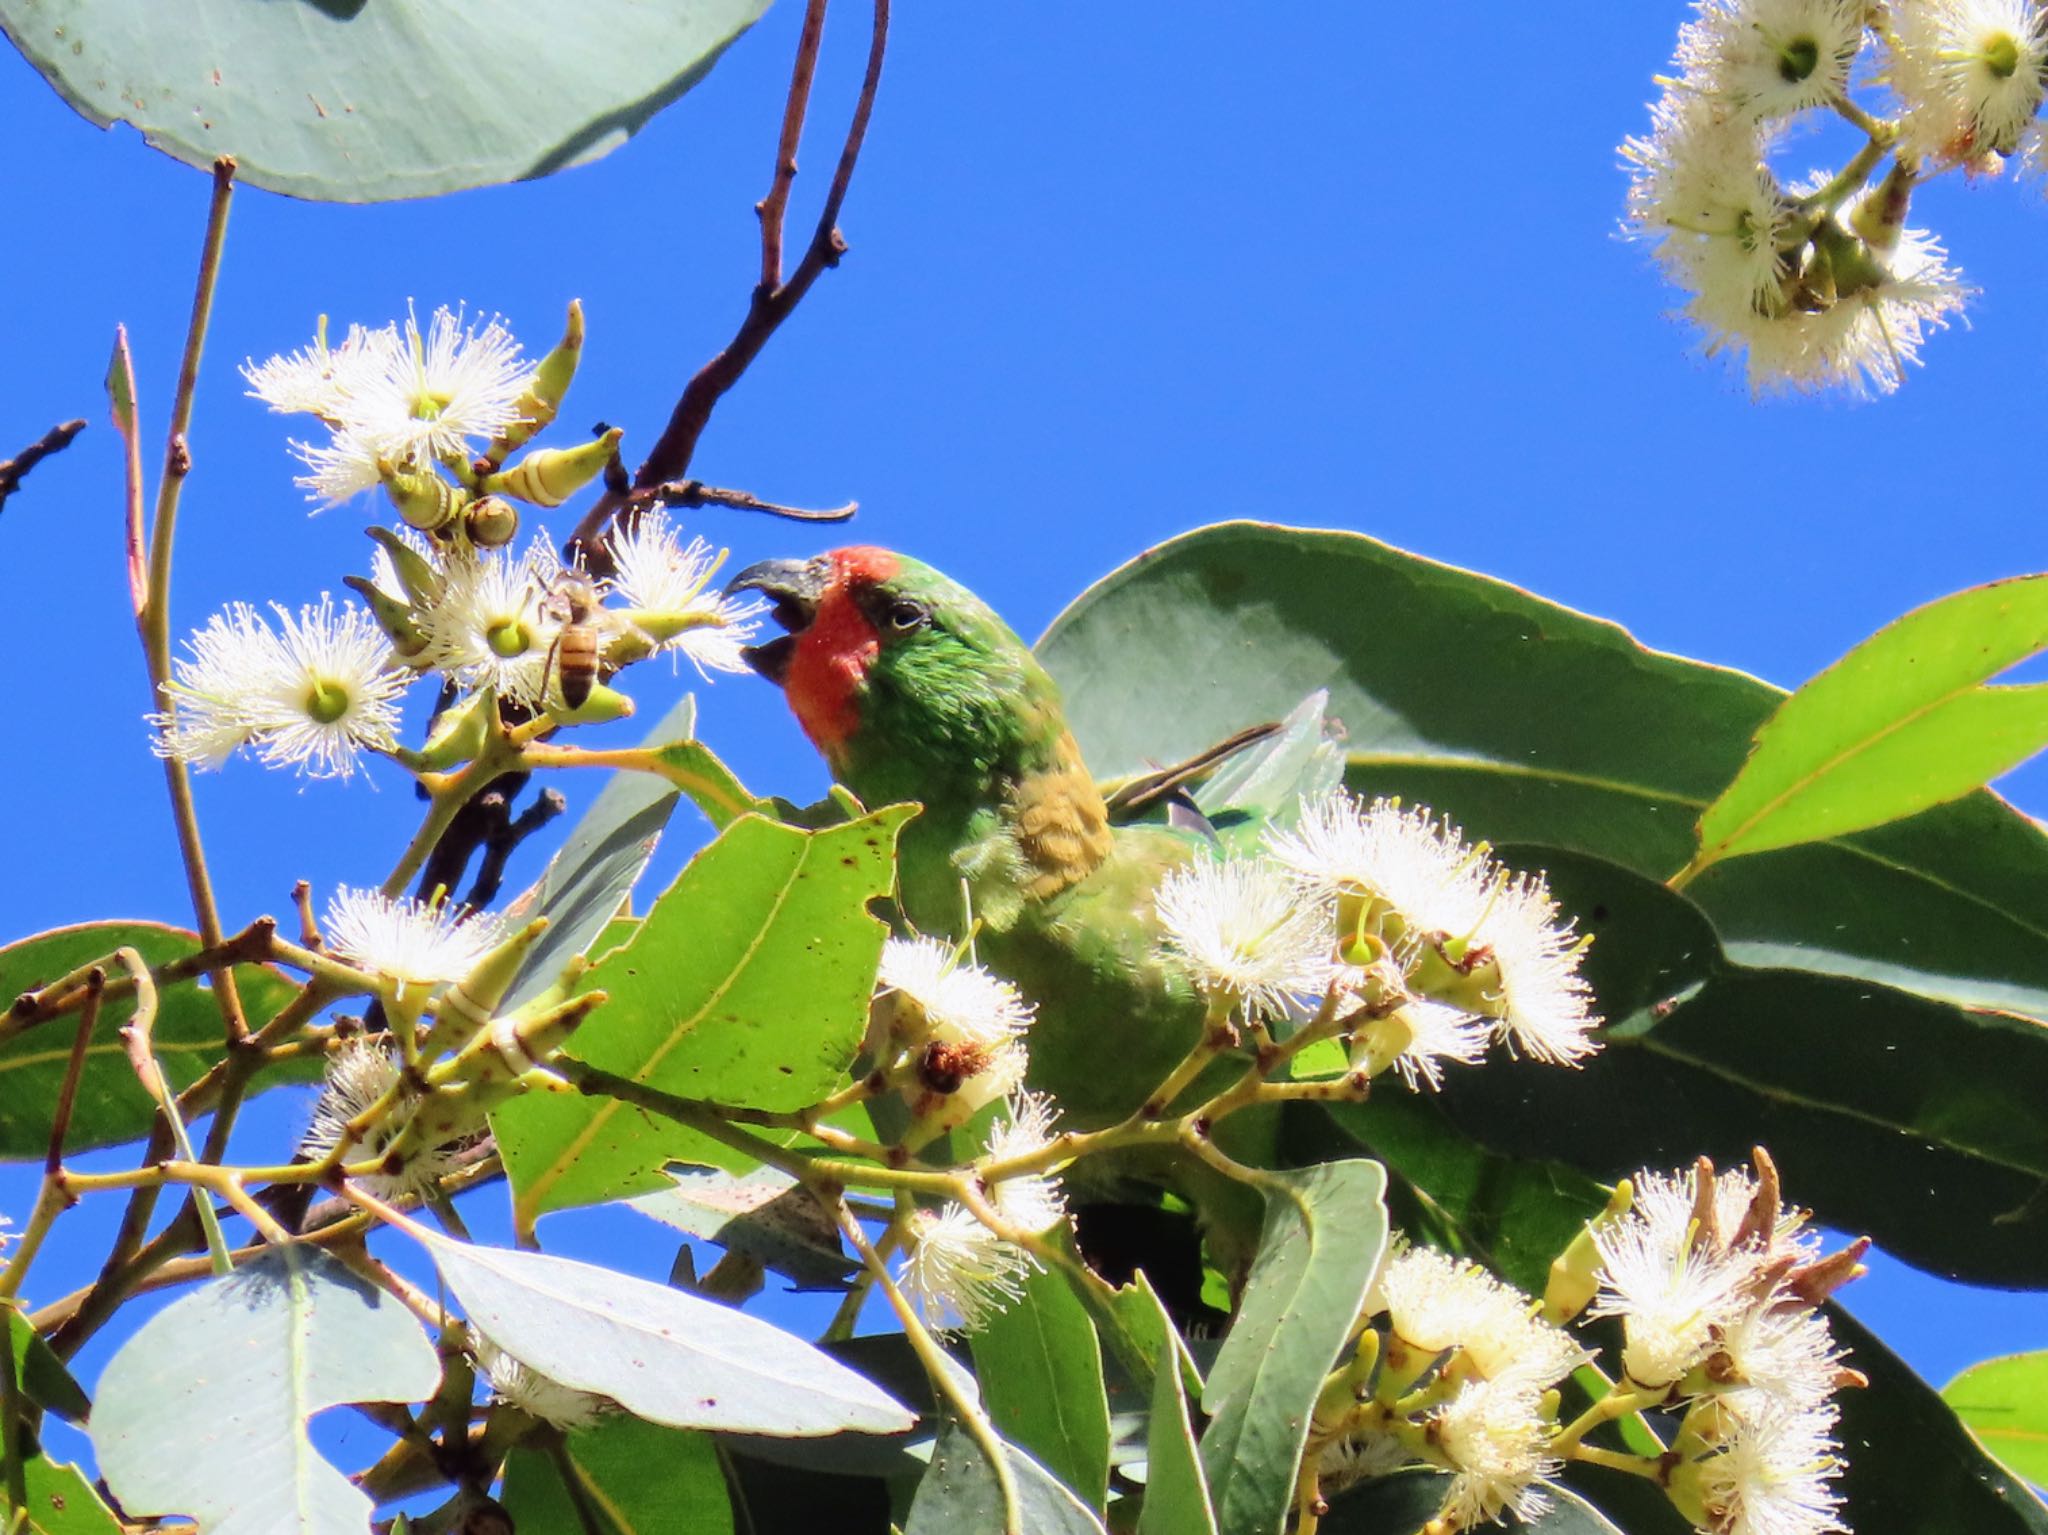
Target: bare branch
{"x":14,"y":470}
{"x":696,"y":493}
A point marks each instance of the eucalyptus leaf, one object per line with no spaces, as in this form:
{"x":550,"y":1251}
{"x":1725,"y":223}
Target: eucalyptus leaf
{"x":1040,"y":1368}
{"x":61,"y":1501}
{"x":203,"y":1411}
{"x":345,"y":101}
{"x":637,"y":1479}
{"x":590,"y":878}
{"x":111,"y":1106}
{"x":2004,"y":1402}
{"x":1902,"y":722}
{"x":1324,"y":1236}
{"x":1176,"y":1488}
{"x":960,"y":1493}
{"x":1529,"y":722}
{"x":764,"y":1213}
{"x":43,"y":1378}
{"x":747,"y":982}
{"x":663,"y":1354}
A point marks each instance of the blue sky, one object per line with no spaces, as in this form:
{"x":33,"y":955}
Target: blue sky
{"x":1115,"y":272}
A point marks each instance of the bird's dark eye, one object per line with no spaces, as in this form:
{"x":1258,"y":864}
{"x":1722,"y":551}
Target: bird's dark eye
{"x":905,"y":615}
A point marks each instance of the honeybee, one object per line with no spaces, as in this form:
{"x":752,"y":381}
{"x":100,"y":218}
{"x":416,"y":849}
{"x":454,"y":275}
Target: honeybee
{"x":573,"y":600}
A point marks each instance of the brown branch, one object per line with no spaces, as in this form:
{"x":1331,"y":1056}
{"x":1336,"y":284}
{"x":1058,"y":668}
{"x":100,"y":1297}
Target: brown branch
{"x":669,"y":458}
{"x":14,"y":470}
{"x":74,"y":1069}
{"x":774,"y":208}
{"x":696,"y":493}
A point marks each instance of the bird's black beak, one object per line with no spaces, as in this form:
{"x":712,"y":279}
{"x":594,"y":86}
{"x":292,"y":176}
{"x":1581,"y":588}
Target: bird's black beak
{"x":794,"y":587}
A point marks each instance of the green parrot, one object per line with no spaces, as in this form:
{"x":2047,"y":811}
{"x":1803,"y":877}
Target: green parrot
{"x":913,"y":689}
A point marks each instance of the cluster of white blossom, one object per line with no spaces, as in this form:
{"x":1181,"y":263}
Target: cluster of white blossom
{"x":1818,"y":280}
{"x":318,"y":689}
{"x":1716,"y":1286}
{"x":1416,"y":947}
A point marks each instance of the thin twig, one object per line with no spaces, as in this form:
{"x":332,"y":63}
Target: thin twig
{"x":687,"y":493}
{"x":669,"y":458}
{"x":14,"y":470}
{"x":155,"y":618}
{"x":74,"y":1069}
{"x":774,"y":208}
{"x":128,"y":423}
{"x":142,"y":1056}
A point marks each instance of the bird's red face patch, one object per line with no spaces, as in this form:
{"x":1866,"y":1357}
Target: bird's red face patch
{"x":835,"y":650}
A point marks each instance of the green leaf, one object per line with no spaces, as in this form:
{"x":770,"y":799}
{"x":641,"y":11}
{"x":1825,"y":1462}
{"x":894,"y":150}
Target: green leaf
{"x":748,"y":982}
{"x":111,"y":1105}
{"x":342,"y":101}
{"x":663,"y":1354}
{"x":960,"y":1493}
{"x":1402,"y":1503}
{"x":1912,"y":1464}
{"x":62,"y":1502}
{"x":637,"y":1478}
{"x":43,"y":1378}
{"x":1176,"y":1490}
{"x":1529,"y":722}
{"x":1902,"y":722}
{"x":764,"y":1213}
{"x":589,"y":879}
{"x":1040,"y":1369}
{"x":203,"y":1412}
{"x":1857,"y":1091}
{"x":1325,"y":1232}
{"x":2004,"y":1402}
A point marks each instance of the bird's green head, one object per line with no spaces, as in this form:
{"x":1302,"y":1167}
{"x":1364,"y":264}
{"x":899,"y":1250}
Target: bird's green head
{"x":904,"y":679}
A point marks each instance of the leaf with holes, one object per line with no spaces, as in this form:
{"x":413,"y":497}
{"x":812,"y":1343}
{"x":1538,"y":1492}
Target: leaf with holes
{"x":747,"y":982}
{"x":203,"y":1412}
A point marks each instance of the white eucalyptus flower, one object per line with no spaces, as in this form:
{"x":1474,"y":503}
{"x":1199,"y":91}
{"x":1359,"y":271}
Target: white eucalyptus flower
{"x":1701,"y":194}
{"x":409,"y":941}
{"x":1676,"y":1294}
{"x":321,"y":381}
{"x":1970,"y":75}
{"x":1783,"y":1352}
{"x":1775,"y":1475}
{"x":1033,"y":1202}
{"x":1546,"y":1005}
{"x":958,"y":1272}
{"x":1246,"y":931}
{"x":656,"y":572}
{"x":359,"y":1075}
{"x":1406,"y":862}
{"x":491,"y":623}
{"x":315,"y":696}
{"x":1771,"y":58}
{"x":958,"y":1002}
{"x":520,"y":1385}
{"x":1496,"y":1438}
{"x":1438,"y":1033}
{"x":436,"y":394}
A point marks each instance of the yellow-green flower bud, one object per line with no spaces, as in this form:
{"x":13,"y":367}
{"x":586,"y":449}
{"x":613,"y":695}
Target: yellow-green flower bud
{"x":550,"y":476}
{"x":460,"y":733}
{"x":542,"y":400}
{"x":661,"y":627}
{"x":392,"y":616}
{"x":1378,"y":1042}
{"x":1574,"y":1273}
{"x":491,"y":522}
{"x":423,"y":498}
{"x":603,"y":704}
{"x":414,"y":571}
{"x":471,"y":1002}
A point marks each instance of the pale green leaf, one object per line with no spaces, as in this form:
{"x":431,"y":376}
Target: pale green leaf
{"x":960,"y":1493}
{"x":1325,"y":1232}
{"x":665,"y":1355}
{"x":2004,"y":1402}
{"x":1903,"y":722}
{"x":765,"y":1213}
{"x":347,"y":101}
{"x":203,"y":1411}
{"x":1176,"y":1488}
